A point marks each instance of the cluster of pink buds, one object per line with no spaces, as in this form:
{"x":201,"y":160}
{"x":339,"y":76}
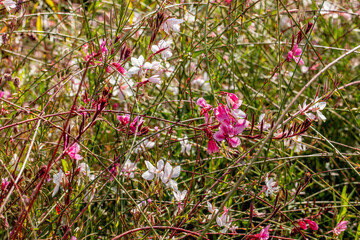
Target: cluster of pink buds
{"x":135,"y":127}
{"x":303,"y":224}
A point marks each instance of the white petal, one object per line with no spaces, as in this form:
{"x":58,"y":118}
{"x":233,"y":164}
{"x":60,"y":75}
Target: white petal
{"x":56,"y":189}
{"x":160,"y":165}
{"x":150,"y":166}
{"x":168,"y":170}
{"x":147,"y":65}
{"x":132,"y":71}
{"x":176,"y":172}
{"x":141,"y":60}
{"x":148,"y":175}
{"x":320,"y":115}
{"x":155,"y":48}
{"x":322,"y":105}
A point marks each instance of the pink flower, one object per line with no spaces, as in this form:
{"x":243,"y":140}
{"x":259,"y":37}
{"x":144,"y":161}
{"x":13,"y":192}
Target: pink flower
{"x":4,"y":183}
{"x":264,"y":233}
{"x":222,"y":114}
{"x":340,"y":227}
{"x":73,"y":152}
{"x":124,"y":120}
{"x":137,"y":123}
{"x":294,"y":54}
{"x":212,"y":147}
{"x":233,"y":101}
{"x":302,"y":225}
{"x":119,"y":68}
{"x":2,"y":93}
{"x":312,"y":224}
{"x":206,"y":108}
{"x":114,"y":171}
{"x":229,"y":132}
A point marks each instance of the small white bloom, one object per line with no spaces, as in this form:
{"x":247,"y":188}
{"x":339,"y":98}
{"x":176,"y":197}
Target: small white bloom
{"x":266,"y":125}
{"x":57,"y":179}
{"x":138,"y":66}
{"x":171,"y":24}
{"x":179,"y":196}
{"x":168,"y":174}
{"x":295,"y":143}
{"x":8,"y":4}
{"x":185,"y":147}
{"x":85,"y":170}
{"x":163,"y":45}
{"x":147,"y":144}
{"x":129,"y":168}
{"x":155,"y":79}
{"x":271,"y":187}
{"x":152,"y":171}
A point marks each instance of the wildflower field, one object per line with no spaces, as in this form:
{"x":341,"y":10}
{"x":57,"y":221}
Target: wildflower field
{"x":163,"y":119}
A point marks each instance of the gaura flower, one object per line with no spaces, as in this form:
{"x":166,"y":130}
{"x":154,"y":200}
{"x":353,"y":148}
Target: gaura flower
{"x":73,"y":152}
{"x":295,"y":54}
{"x":8,"y":4}
{"x":139,"y":65}
{"x":163,"y":48}
{"x":153,"y":171}
{"x":171,"y":24}
{"x":57,"y":179}
{"x":179,"y":196}
{"x":168,"y":174}
{"x":342,"y":226}
{"x":271,"y":187}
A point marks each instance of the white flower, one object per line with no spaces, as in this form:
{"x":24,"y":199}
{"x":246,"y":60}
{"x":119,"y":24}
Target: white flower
{"x":129,"y":168}
{"x":124,"y":90}
{"x":163,"y":45}
{"x":171,"y":24}
{"x":271,"y":187}
{"x":211,"y":209}
{"x":152,"y":171}
{"x":316,"y":108}
{"x":138,"y":66}
{"x":224,"y":220}
{"x":8,"y":4}
{"x":57,"y":179}
{"x":179,"y":196}
{"x":147,"y":144}
{"x":295,"y":143}
{"x":201,"y":82}
{"x":155,"y":79}
{"x":85,"y":170}
{"x":185,"y":147}
{"x":168,"y":174}
{"x":266,"y":125}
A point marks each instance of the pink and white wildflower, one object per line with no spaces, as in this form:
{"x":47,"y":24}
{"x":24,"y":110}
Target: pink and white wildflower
{"x":129,"y":169}
{"x":9,"y":4}
{"x":295,"y":55}
{"x":153,"y":171}
{"x":172,"y":24}
{"x":168,"y":174}
{"x":139,"y":65}
{"x":270,"y":187}
{"x":342,"y":226}
{"x":73,"y":152}
{"x":57,"y":179}
{"x":163,"y":48}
